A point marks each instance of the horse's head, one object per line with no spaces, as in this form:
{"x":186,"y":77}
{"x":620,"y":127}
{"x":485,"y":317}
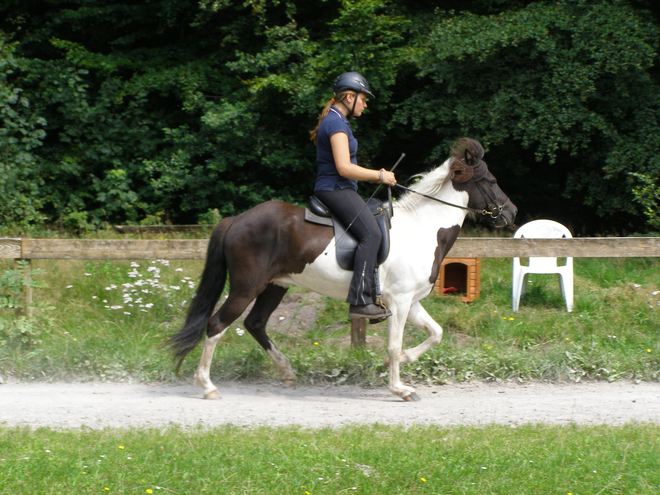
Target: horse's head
{"x":469,"y":173}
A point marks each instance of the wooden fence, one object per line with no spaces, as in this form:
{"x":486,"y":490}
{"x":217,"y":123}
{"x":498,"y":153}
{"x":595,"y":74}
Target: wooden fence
{"x":195,"y":249}
{"x":465,"y":247}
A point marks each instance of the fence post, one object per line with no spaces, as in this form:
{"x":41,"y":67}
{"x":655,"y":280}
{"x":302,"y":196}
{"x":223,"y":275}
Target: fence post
{"x":358,"y":332}
{"x":27,"y":288}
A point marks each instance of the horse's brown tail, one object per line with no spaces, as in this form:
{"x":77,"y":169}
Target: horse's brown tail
{"x":209,"y":291}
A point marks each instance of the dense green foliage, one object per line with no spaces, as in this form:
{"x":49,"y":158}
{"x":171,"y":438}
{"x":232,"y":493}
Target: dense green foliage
{"x":20,"y":134}
{"x":128,"y":111}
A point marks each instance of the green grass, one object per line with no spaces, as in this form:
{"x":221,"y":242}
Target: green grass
{"x":368,"y":460}
{"x":79,"y":332}
{"x":83,"y":328}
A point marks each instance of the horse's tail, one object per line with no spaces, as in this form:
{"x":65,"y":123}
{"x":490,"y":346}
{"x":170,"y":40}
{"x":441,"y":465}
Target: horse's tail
{"x":209,"y":291}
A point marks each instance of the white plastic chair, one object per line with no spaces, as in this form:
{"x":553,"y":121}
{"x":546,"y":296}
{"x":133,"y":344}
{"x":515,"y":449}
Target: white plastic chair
{"x":543,"y":229}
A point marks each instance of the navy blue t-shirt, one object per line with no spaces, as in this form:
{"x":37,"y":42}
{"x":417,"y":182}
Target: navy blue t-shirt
{"x":328,"y":177}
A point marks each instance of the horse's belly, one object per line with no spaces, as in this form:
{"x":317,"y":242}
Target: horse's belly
{"x":323,"y":276}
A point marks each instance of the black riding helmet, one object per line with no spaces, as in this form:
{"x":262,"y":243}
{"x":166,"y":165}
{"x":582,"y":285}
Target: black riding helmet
{"x":351,"y":81}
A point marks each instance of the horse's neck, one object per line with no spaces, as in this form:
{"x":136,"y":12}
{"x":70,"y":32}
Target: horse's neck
{"x":434,"y":215}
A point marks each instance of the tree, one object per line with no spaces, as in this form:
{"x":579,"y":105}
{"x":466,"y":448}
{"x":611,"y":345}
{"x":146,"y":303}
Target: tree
{"x":568,"y":79}
{"x":21,"y":132}
{"x":174,"y":108}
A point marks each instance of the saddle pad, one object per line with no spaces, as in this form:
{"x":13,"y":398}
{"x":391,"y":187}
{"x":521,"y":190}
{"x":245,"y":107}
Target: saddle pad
{"x":314,"y":218}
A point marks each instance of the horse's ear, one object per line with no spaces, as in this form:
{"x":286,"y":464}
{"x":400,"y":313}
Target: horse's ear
{"x":469,"y":158}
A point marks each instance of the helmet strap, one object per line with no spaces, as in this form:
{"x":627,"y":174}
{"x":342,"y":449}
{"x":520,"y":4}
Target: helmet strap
{"x":354,"y":102}
{"x":350,"y":112}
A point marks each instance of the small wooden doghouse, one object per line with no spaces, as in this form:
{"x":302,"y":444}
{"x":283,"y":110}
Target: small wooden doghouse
{"x":459,"y":275}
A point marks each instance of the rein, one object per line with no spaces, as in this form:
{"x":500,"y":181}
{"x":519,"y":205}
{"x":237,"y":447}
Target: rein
{"x":496,"y":210}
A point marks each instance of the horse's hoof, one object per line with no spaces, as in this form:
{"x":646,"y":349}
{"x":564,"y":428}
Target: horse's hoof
{"x":413,"y":397}
{"x":289,"y":382}
{"x":213,"y":394}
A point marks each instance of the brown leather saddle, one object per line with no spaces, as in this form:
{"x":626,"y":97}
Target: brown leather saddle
{"x":346,"y":243}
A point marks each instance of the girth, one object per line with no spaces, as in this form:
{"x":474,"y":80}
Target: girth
{"x":346,"y":243}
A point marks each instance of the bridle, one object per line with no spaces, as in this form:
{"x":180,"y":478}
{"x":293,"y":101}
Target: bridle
{"x":493,"y":210}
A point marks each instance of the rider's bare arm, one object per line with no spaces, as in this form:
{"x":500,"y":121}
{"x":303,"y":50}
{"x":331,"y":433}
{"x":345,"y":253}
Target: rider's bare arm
{"x":341,"y":154}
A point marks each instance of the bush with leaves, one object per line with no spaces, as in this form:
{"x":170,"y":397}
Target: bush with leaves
{"x":571,"y":81}
{"x":21,"y":131}
{"x":18,"y":328}
{"x":184,"y":107}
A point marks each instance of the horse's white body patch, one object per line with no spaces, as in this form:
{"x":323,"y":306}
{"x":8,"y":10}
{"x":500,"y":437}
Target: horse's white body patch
{"x":323,"y":276}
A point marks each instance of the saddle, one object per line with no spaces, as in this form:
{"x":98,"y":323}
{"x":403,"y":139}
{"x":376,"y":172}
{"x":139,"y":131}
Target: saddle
{"x":346,"y":243}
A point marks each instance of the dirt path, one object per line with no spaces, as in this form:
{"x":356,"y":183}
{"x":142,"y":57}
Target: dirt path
{"x":98,"y":405}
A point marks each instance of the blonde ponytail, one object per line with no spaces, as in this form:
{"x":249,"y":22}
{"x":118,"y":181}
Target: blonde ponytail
{"x":325,"y":112}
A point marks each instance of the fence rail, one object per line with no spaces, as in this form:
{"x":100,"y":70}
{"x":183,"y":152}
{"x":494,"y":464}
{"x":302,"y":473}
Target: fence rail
{"x":195,"y":249}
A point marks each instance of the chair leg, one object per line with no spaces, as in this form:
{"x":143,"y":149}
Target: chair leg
{"x":523,"y":285}
{"x":516,"y":290}
{"x":566,"y":291}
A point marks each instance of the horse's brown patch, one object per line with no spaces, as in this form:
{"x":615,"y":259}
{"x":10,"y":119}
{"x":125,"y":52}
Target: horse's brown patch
{"x":272,"y":240}
{"x":446,"y":238}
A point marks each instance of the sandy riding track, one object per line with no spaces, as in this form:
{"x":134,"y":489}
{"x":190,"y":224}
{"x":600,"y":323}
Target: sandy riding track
{"x":98,"y":405}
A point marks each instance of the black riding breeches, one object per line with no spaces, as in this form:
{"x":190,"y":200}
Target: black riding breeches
{"x":350,"y":208}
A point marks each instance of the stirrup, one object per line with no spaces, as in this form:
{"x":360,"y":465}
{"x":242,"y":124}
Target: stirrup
{"x":378,"y":301}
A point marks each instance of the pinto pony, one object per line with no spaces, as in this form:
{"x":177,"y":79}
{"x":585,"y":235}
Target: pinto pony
{"x":269,"y":247}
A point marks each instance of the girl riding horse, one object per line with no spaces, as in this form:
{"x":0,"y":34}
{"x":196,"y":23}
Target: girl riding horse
{"x":336,"y":186}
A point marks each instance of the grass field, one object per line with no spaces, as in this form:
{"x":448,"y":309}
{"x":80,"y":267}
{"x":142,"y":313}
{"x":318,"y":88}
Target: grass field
{"x":363,"y":460}
{"x":109,"y":320}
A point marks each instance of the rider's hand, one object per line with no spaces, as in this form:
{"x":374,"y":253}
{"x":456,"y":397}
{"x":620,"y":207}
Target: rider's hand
{"x":388,"y":178}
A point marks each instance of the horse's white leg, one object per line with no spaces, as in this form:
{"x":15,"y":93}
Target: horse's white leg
{"x":203,"y":373}
{"x":396,"y":324}
{"x":421,"y":319}
{"x":283,"y":365}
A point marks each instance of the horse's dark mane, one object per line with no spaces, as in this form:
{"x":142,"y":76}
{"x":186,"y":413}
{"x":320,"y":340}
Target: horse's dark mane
{"x":466,"y":160}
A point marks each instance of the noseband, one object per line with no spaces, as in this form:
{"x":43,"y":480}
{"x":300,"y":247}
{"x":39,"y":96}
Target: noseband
{"x":495,"y":209}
